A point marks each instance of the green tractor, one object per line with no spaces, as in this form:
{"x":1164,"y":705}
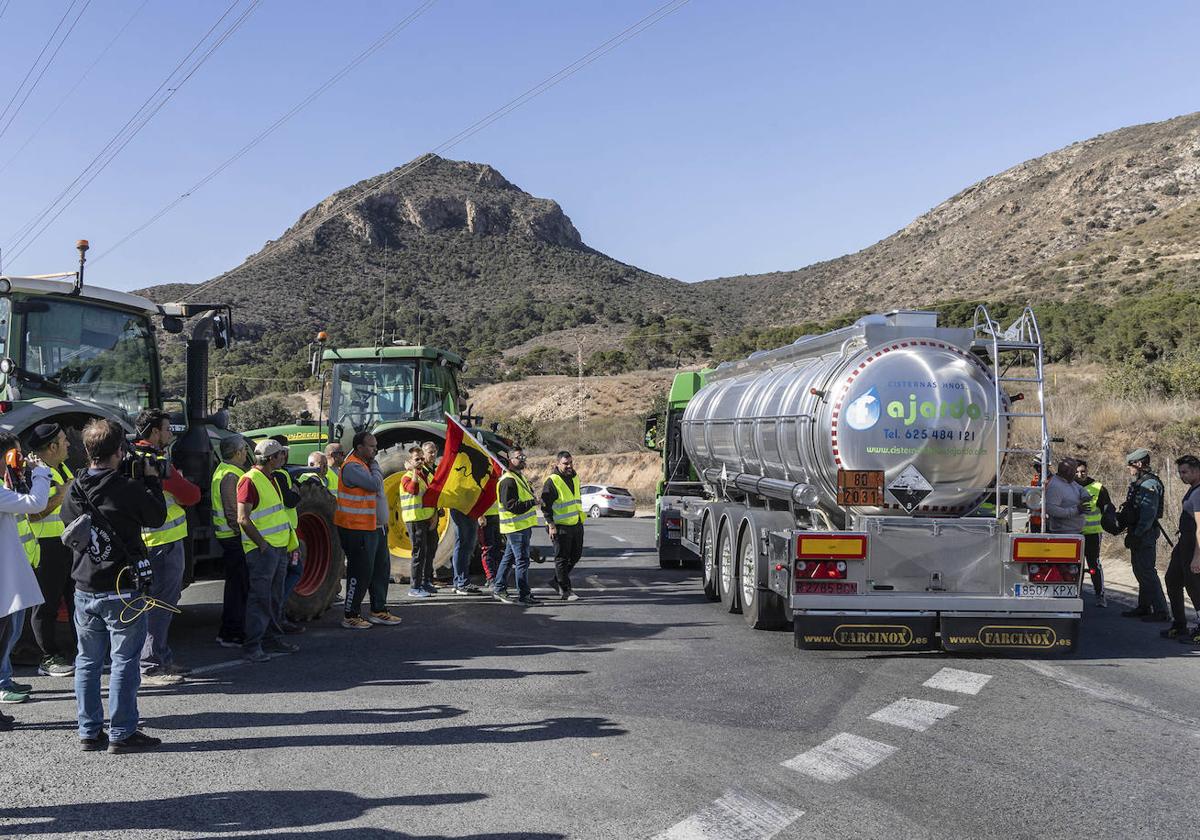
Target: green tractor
{"x":70,"y":353}
{"x":399,"y":393}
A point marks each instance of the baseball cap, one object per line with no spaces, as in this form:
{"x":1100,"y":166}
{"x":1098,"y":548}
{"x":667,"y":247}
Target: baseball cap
{"x":267,"y":448}
{"x":43,"y":435}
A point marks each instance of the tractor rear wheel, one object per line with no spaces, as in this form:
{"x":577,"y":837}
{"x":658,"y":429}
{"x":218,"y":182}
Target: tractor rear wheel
{"x":321,"y":550}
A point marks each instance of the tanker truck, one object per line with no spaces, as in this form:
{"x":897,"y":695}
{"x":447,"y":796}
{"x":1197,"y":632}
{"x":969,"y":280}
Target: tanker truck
{"x":851,"y":485}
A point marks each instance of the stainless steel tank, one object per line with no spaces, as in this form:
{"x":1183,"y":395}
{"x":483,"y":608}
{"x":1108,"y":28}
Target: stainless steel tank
{"x":894,"y":392}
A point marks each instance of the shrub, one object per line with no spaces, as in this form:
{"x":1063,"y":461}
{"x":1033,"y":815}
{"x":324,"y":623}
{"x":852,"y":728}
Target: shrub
{"x":259,"y":413}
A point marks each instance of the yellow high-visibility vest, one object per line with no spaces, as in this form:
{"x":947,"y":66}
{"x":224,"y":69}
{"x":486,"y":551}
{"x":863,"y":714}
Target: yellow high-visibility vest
{"x":173,"y":530}
{"x":1092,"y":517}
{"x":225,"y":530}
{"x":51,"y":525}
{"x":29,"y":540}
{"x":510,"y":523}
{"x":412,"y":506}
{"x":269,"y":515}
{"x":568,"y":508}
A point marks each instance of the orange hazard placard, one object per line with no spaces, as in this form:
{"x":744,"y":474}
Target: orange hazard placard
{"x":860,"y":488}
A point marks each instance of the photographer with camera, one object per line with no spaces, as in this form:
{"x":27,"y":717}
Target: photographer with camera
{"x":25,"y":491}
{"x":165,"y":544}
{"x":110,"y":567}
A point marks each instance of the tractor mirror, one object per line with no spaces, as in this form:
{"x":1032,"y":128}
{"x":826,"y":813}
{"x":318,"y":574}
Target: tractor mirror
{"x":220,"y":332}
{"x":172,"y":324}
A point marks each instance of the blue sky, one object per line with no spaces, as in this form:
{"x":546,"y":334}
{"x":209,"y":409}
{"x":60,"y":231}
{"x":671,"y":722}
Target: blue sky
{"x":732,"y":137}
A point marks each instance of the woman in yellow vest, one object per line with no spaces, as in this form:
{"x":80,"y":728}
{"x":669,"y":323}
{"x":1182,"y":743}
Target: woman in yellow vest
{"x":563,"y":511}
{"x":518,"y":516}
{"x":49,"y":442}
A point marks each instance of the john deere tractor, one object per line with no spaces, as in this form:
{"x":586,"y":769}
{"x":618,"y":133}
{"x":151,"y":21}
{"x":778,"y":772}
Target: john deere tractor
{"x":401,"y":394}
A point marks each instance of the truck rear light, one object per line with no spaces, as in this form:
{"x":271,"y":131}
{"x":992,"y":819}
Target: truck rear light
{"x":831,"y":547}
{"x":820,"y":570}
{"x":1046,"y":550}
{"x":1052,"y":572}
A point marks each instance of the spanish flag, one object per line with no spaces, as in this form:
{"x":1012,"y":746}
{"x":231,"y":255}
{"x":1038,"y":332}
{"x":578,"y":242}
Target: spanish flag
{"x":467,"y":476}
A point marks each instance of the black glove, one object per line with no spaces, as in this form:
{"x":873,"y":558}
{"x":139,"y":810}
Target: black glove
{"x":143,"y":575}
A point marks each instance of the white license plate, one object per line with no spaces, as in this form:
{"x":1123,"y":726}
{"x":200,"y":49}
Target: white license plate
{"x":1046,"y":590}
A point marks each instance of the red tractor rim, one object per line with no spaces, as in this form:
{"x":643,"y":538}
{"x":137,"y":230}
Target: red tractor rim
{"x":313,"y":531}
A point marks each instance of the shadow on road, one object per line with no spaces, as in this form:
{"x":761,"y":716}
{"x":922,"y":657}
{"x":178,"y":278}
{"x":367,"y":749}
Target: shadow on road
{"x":223,"y":813}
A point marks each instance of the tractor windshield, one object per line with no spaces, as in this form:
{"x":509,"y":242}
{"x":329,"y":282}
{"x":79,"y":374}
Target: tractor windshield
{"x":89,"y":352}
{"x":367,"y":393}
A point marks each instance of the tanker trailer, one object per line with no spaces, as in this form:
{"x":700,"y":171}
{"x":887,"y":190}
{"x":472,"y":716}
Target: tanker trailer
{"x":851,"y":485}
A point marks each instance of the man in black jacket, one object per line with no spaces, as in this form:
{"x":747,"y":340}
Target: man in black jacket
{"x":108,"y":609}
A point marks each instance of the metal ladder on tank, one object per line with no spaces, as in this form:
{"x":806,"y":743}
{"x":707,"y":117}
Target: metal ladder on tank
{"x":1020,"y":342}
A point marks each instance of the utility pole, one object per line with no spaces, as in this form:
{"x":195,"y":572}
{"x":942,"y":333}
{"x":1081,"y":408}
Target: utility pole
{"x":579,"y":387}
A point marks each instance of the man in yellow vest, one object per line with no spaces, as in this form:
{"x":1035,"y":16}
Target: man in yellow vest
{"x":295,"y":569}
{"x":49,"y":442}
{"x":235,"y":460}
{"x":518,"y":516}
{"x":420,"y":522}
{"x":361,"y":519}
{"x":563,"y":511}
{"x":165,"y":545}
{"x":266,"y":533}
{"x":1100,"y":501}
{"x":335,"y":455}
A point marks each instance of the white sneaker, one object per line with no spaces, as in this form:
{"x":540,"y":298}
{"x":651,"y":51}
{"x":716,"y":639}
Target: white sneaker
{"x":1101,"y":600}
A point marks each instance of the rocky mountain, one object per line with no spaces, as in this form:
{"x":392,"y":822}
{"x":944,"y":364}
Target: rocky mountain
{"x":1098,"y":218}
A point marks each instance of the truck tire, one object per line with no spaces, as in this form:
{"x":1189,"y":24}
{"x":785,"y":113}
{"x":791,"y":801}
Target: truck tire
{"x":727,"y":567}
{"x":708,"y":561}
{"x":324,"y":561}
{"x":761,"y":607}
{"x":669,"y":554}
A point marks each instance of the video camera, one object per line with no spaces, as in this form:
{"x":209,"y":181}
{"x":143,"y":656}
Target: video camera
{"x":18,"y":471}
{"x":135,"y":458}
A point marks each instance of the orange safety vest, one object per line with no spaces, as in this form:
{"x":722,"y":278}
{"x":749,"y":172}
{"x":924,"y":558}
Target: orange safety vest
{"x":355,"y":507}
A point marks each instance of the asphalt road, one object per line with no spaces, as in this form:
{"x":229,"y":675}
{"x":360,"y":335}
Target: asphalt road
{"x":640,"y":711}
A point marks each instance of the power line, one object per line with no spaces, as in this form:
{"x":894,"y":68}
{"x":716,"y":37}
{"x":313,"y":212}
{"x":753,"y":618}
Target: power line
{"x":74,"y":87}
{"x":377,"y":45}
{"x":27,"y":236}
{"x":4,"y":7}
{"x":45,"y":67}
{"x":546,"y":84}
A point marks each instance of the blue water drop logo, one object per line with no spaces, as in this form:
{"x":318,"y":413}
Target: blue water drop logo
{"x":863,"y":412}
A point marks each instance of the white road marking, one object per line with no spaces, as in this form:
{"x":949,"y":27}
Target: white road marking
{"x":840,"y":758}
{"x":218,"y":666}
{"x":917,"y":715}
{"x":952,"y":679}
{"x":618,"y":539}
{"x":1110,"y":694}
{"x":735,"y":816}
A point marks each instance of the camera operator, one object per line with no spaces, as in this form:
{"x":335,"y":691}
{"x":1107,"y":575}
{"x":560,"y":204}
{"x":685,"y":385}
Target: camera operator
{"x":18,"y":586}
{"x":106,"y":574}
{"x":165,"y":544}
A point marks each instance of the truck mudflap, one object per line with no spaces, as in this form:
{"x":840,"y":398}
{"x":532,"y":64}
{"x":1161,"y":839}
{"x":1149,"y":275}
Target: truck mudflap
{"x":868,"y":631}
{"x":1026,"y":634}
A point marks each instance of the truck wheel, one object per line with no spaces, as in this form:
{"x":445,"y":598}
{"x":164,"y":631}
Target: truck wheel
{"x":727,"y":568}
{"x":761,"y":608}
{"x":324,"y":561}
{"x":668,"y":554}
{"x":708,"y":561}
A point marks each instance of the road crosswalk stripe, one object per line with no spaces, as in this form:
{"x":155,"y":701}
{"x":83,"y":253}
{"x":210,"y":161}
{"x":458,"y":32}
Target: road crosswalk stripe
{"x":737,"y":815}
{"x":917,"y":715}
{"x":841,"y":757}
{"x":964,"y":682}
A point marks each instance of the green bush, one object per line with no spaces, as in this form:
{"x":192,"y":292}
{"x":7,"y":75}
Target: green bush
{"x":258,"y":413}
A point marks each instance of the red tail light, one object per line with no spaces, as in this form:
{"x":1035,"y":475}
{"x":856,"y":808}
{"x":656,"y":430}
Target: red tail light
{"x":820,"y":570}
{"x":5,"y":406}
{"x":1052,"y":572}
{"x":606,"y":496}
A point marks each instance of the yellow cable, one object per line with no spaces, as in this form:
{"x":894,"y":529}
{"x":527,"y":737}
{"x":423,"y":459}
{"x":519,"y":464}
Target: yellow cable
{"x":148,"y":603}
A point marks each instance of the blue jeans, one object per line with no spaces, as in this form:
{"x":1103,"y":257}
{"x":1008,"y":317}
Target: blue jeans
{"x":1150,"y":591}
{"x":464,"y":546}
{"x":264,"y":602}
{"x":101,"y":632}
{"x":166,"y":561}
{"x":516,"y":557}
{"x":290,"y":578}
{"x":16,"y":623}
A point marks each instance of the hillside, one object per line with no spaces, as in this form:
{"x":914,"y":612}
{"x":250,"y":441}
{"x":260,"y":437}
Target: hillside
{"x":1073,"y":221}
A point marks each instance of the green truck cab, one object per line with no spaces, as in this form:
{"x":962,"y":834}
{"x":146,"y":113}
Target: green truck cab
{"x":677,"y":480}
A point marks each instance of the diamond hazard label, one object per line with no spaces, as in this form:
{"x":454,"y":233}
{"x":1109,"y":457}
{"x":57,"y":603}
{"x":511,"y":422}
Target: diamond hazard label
{"x":909,"y":488}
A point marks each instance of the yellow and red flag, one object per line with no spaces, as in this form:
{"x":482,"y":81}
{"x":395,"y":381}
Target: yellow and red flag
{"x":467,"y":476}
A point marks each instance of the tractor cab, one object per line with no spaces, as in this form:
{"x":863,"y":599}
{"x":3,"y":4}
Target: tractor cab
{"x":375,"y":387}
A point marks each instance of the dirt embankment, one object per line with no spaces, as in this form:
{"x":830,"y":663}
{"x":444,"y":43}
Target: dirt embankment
{"x":542,"y":398}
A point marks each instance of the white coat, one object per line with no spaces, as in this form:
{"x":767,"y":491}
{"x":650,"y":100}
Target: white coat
{"x":19,"y":588}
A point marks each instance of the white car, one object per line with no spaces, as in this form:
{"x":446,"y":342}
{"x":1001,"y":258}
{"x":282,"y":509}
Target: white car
{"x":606,"y":500}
